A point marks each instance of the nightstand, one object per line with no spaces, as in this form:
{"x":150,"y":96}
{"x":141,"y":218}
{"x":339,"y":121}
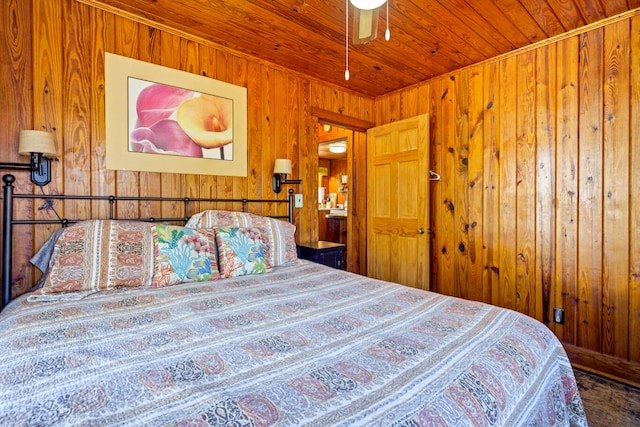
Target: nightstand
{"x":327,"y":253}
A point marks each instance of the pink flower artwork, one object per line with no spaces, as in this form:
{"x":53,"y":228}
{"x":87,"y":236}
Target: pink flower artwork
{"x":175,"y":121}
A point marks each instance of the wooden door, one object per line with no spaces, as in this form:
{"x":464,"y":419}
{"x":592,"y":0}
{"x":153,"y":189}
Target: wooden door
{"x":397,"y":202}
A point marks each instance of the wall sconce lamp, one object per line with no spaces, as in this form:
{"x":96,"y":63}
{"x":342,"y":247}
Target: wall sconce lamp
{"x":38,"y":145}
{"x":281,"y":168}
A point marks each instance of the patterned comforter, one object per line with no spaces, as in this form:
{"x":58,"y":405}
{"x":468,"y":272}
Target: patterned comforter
{"x":302,"y":345}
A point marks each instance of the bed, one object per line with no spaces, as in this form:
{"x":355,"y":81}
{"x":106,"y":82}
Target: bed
{"x":278,"y":341}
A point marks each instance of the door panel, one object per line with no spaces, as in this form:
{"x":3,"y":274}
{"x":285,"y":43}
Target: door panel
{"x":381,"y":177}
{"x":408,"y":198}
{"x":397,"y":202}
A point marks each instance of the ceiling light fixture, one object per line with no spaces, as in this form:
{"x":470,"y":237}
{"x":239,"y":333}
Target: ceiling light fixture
{"x":367,"y":4}
{"x":362,"y":5}
{"x":338,"y":147}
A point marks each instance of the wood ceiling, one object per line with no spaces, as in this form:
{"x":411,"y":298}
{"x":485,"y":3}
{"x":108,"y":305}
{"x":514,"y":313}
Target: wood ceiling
{"x":428,"y":37}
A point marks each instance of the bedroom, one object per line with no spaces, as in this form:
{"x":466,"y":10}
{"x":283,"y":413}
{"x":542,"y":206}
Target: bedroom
{"x":53,"y":79}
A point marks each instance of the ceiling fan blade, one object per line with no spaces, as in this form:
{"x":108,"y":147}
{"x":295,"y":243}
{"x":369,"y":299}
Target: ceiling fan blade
{"x":365,"y":25}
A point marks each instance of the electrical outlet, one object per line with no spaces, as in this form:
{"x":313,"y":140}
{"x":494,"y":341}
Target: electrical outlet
{"x":558,"y":315}
{"x":298,"y":200}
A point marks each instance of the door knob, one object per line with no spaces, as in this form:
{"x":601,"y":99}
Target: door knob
{"x":420,"y":230}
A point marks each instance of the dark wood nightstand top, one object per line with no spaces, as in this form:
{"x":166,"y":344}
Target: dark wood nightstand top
{"x":323,"y":252}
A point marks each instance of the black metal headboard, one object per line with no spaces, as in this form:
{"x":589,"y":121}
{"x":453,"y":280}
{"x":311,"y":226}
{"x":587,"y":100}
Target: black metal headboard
{"x":8,"y":221}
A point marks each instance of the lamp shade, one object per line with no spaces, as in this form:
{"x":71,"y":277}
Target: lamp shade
{"x":367,"y":4}
{"x":282,"y":166}
{"x":36,"y":141}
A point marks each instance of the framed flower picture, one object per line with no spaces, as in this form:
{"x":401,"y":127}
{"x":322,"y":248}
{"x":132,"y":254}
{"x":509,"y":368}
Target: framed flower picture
{"x":159,"y":119}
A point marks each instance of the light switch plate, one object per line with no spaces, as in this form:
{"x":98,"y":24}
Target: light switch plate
{"x":558,"y":315}
{"x":298,"y":201}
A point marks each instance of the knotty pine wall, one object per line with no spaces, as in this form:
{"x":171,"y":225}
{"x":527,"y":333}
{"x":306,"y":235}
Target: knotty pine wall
{"x":52,"y":59}
{"x":539,"y":202}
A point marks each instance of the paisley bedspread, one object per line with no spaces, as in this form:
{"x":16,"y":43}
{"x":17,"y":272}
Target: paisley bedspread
{"x":302,"y":345}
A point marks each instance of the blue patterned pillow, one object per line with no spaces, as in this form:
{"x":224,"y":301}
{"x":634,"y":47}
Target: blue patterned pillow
{"x":184,"y":255}
{"x":280,"y":235}
{"x":241,"y":251}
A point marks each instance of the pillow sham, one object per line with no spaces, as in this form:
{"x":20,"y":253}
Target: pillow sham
{"x":97,"y":255}
{"x":241,"y":251}
{"x":183,"y":255}
{"x":43,"y":256}
{"x":280,"y":235}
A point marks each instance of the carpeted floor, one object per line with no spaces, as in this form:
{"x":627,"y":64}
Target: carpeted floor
{"x":608,"y":403}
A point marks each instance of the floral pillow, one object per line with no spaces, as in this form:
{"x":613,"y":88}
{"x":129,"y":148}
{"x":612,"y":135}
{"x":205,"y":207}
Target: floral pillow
{"x":96,"y":255}
{"x":241,"y":251}
{"x":279,"y":235}
{"x":184,"y":255}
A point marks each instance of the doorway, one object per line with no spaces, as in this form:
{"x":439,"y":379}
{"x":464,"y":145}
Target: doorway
{"x":333,"y":182}
{"x":356,"y":180}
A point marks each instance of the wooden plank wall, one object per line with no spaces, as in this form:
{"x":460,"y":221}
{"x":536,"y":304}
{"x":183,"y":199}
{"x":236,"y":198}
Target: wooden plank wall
{"x":52,"y":59}
{"x":539,"y":202}
{"x":538,"y":206}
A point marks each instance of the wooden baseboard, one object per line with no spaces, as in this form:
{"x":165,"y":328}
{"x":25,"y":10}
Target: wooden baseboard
{"x":604,"y":365}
